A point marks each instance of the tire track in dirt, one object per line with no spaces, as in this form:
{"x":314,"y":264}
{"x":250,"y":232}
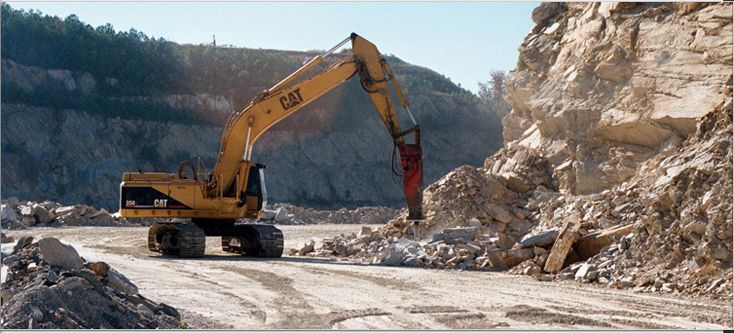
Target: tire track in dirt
{"x":296,"y":309}
{"x":327,"y":320}
{"x":289,"y":304}
{"x":138,"y":251}
{"x":535,"y":315}
{"x":369,"y":277}
{"x":196,"y":321}
{"x":222,"y":289}
{"x":620,"y":295}
{"x":432,"y":309}
{"x":583,"y":308}
{"x":688,"y":309}
{"x":339,"y":316}
{"x":621,"y":317}
{"x":695,"y":311}
{"x":473,"y":321}
{"x":281,"y":285}
{"x":643,"y":324}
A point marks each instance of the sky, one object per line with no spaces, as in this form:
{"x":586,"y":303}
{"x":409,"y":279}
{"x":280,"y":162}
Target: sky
{"x":464,"y":41}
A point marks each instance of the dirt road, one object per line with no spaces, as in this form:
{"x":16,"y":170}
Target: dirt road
{"x":227,"y":291}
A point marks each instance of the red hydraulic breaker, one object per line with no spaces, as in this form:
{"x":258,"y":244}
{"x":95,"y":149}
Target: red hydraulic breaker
{"x":412,"y":164}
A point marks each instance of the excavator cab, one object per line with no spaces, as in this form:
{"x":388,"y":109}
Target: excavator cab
{"x":255,"y":194}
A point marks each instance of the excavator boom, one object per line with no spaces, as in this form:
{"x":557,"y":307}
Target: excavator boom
{"x":285,"y":98}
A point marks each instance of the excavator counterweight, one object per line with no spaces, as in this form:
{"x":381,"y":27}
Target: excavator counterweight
{"x":211,"y":204}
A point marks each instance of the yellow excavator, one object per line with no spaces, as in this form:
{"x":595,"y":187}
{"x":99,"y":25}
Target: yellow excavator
{"x":235,"y":189}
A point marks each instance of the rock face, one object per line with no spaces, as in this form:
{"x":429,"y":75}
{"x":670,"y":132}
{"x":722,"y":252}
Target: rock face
{"x":631,"y":105}
{"x":621,"y":120}
{"x":601,"y":88}
{"x":334,"y":153}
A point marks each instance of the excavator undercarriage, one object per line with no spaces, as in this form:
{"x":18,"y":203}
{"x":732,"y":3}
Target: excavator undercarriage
{"x":188,"y":239}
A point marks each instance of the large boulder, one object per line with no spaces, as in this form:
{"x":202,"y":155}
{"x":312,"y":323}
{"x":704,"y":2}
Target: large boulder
{"x":506,"y":259}
{"x":541,"y":239}
{"x":65,"y":210}
{"x":59,"y":254}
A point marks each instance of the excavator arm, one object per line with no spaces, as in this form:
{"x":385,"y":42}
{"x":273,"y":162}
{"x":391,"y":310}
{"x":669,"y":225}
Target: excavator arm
{"x":290,"y":95}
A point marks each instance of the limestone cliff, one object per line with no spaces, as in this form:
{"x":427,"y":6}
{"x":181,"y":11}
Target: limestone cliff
{"x":602,"y":87}
{"x":621,"y":120}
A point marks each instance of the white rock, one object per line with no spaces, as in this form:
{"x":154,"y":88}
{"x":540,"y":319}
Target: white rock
{"x":582,"y":271}
{"x":281,"y":215}
{"x":65,"y":210}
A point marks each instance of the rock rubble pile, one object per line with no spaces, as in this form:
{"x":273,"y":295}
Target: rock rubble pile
{"x":22,"y":215}
{"x":47,"y":285}
{"x":294,"y":215}
{"x":617,"y":167}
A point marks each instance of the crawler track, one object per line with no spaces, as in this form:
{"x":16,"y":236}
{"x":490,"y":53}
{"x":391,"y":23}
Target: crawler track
{"x":254,"y":240}
{"x":178,"y":239}
{"x":189,"y":240}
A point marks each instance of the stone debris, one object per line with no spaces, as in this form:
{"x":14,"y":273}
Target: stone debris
{"x":593,"y":243}
{"x":307,"y":248}
{"x":46,"y":285}
{"x":22,"y":215}
{"x":642,"y":153}
{"x":293,"y":215}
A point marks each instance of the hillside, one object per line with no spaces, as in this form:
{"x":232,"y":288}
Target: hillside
{"x":80,"y":105}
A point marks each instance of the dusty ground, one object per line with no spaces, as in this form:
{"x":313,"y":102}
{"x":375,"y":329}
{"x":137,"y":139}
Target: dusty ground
{"x":227,"y":291}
